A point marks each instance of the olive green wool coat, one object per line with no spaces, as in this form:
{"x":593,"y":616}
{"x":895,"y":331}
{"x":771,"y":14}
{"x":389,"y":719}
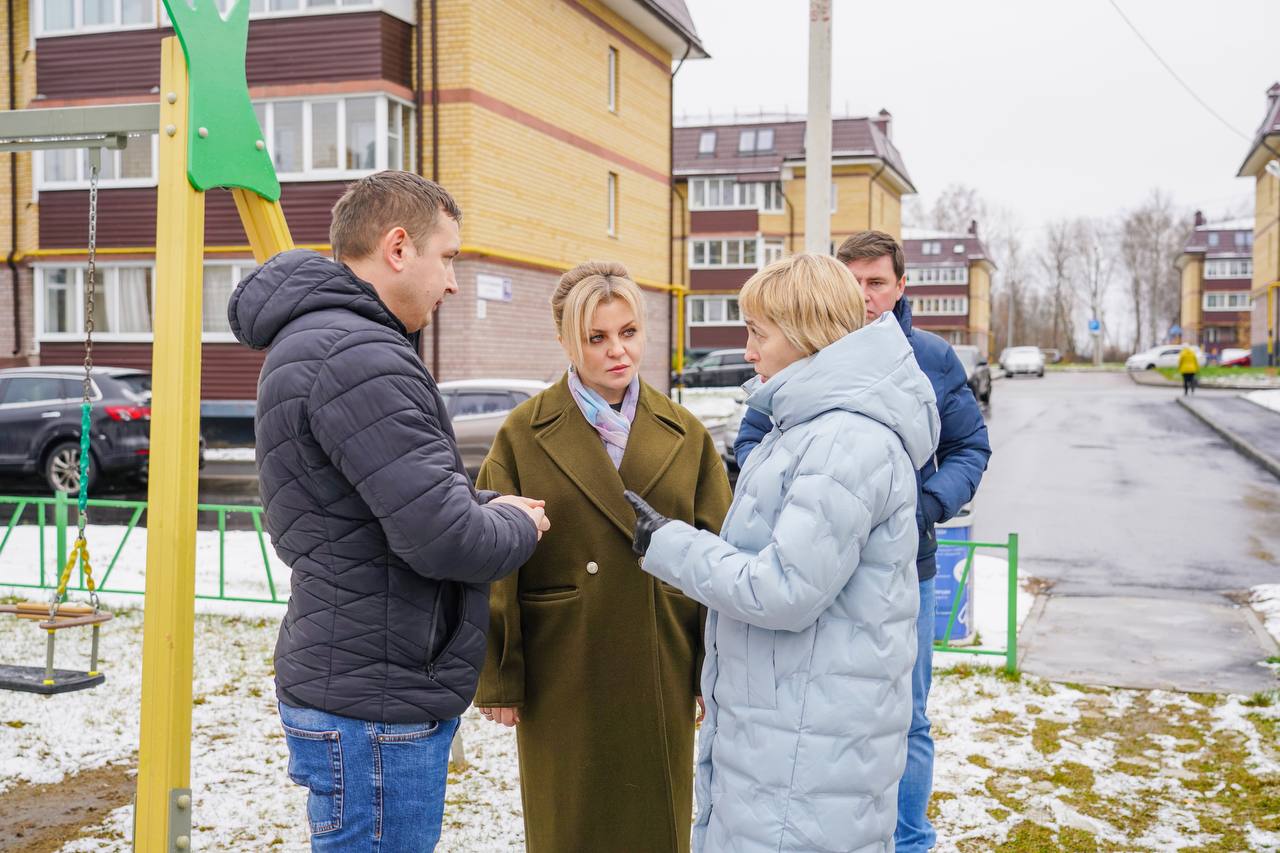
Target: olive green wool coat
{"x":601,"y":659}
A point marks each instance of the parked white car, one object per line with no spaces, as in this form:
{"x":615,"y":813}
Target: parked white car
{"x":478,"y":408}
{"x":1017,"y":360}
{"x":1161,"y":356}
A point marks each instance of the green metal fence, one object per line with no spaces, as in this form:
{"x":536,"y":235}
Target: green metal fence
{"x":1010,"y":652}
{"x":55,"y":512}
{"x":60,"y":509}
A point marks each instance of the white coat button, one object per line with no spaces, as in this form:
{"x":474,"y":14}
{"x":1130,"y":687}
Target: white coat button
{"x":592,"y":568}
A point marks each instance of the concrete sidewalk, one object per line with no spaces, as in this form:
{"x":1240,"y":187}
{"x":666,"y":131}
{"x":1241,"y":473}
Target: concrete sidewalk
{"x":1251,"y":429}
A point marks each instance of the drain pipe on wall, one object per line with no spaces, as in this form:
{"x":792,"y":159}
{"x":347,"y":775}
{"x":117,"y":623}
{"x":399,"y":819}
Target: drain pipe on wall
{"x":672,"y":296}
{"x":12,"y":260}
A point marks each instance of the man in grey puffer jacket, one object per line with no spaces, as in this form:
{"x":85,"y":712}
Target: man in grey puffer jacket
{"x":367,"y":500}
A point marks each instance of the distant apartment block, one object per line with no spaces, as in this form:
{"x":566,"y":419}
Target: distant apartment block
{"x":949,"y":285}
{"x":740,"y":191}
{"x":1217,"y":277}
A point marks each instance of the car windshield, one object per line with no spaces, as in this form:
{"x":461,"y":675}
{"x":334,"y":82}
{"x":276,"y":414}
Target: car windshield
{"x":137,"y":384}
{"x":1025,"y":351}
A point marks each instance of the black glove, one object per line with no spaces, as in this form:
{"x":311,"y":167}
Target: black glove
{"x":648,"y":520}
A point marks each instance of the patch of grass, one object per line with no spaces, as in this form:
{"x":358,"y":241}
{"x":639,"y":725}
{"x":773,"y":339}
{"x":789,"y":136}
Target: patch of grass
{"x":1077,"y":840}
{"x":15,"y":724}
{"x":1209,"y":700}
{"x":1034,"y":710}
{"x":1046,"y":737}
{"x":1274,"y":659}
{"x":979,"y":761}
{"x":1085,"y":688}
{"x":1028,"y":837}
{"x":998,"y":717}
{"x":1265,"y":699}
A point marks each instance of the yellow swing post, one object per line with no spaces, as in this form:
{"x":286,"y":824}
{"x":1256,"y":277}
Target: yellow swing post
{"x":162,"y":818}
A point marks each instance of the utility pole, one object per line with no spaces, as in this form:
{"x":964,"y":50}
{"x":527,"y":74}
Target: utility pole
{"x":817,"y":166}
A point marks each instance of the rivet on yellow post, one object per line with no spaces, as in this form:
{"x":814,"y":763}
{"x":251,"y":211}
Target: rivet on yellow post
{"x":164,"y":752}
{"x":264,"y":224}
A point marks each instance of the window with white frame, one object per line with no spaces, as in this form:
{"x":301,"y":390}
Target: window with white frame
{"x":1244,"y":239}
{"x":122,"y":301}
{"x":773,"y":250}
{"x":68,"y":168}
{"x":63,"y":17}
{"x":327,"y":138}
{"x":220,"y":279}
{"x":1227,"y":300}
{"x":289,"y":8}
{"x":1229,"y":268}
{"x":957,"y":336}
{"x":713,"y":311}
{"x":771,"y":200}
{"x":1213,"y":238}
{"x":612,"y":216}
{"x":937,"y":275}
{"x":720,"y":193}
{"x":931,"y":247}
{"x":755,"y":141}
{"x":732,"y":252}
{"x":707,"y":142}
{"x":926,"y":306}
{"x":613,"y":79}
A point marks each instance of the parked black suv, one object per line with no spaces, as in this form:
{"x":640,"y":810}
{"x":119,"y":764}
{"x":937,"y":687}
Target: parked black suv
{"x":40,"y":423}
{"x":722,"y":368}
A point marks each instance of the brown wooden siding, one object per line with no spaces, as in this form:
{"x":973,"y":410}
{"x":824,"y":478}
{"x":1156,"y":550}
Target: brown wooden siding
{"x":937,"y":290}
{"x":303,"y":49}
{"x":718,"y":279}
{"x":127,"y":217}
{"x":717,"y":337}
{"x":1215,"y":284}
{"x":227,"y":371}
{"x":723,"y":222}
{"x":947,"y":322}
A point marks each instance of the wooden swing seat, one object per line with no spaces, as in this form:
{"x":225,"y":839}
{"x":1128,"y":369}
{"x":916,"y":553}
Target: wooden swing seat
{"x":68,"y":615}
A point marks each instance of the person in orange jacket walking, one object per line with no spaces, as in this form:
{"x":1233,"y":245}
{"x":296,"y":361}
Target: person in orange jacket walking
{"x":1188,"y":366}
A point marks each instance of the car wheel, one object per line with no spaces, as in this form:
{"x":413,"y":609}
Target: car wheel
{"x":62,"y":467}
{"x":1151,"y":367}
{"x":1041,"y":373}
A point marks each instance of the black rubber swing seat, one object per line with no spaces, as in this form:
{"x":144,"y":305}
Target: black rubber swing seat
{"x":30,"y":679}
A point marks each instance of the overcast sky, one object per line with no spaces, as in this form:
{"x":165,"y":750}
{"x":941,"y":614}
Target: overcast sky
{"x":1049,"y":108}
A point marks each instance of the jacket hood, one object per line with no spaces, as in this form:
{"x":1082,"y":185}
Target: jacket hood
{"x":870,"y":372}
{"x":902,"y":310}
{"x":295,"y":283}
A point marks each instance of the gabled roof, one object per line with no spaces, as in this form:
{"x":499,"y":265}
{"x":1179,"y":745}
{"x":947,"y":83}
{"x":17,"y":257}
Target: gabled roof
{"x":667,"y":22}
{"x":970,"y":248}
{"x":851,"y":139}
{"x":1198,"y":239}
{"x":1268,"y":135}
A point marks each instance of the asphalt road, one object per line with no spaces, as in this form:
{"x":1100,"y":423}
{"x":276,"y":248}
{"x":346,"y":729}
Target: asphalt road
{"x":1148,"y":527}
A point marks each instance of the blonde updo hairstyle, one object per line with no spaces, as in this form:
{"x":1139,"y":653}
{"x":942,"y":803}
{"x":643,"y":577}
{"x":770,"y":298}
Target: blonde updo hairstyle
{"x":583,"y":289}
{"x":813,"y":299}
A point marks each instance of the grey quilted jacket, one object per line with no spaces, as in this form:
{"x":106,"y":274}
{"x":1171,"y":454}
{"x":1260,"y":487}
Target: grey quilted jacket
{"x":813,"y":599}
{"x":368,"y":502}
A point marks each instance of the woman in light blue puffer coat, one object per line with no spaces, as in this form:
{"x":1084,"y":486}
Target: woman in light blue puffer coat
{"x":811,"y":584}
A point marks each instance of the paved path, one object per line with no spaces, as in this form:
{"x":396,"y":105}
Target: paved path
{"x":1148,"y":526}
{"x":1254,"y":430}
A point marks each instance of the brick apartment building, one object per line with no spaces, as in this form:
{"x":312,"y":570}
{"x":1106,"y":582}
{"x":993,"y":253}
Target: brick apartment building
{"x":549,"y":120}
{"x":1263,"y":165}
{"x":1217,"y":276}
{"x":949,"y":285}
{"x":740,"y":205}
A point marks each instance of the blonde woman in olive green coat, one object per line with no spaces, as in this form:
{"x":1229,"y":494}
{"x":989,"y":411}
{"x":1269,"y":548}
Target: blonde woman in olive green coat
{"x":594,"y":662}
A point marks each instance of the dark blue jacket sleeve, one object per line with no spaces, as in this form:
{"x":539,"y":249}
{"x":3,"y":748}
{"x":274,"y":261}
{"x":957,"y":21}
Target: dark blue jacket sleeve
{"x":755,"y":426}
{"x":963,"y":449}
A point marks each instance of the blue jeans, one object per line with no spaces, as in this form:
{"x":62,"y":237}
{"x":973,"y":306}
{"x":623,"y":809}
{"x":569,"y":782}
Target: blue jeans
{"x":375,"y":787}
{"x":914,"y":832}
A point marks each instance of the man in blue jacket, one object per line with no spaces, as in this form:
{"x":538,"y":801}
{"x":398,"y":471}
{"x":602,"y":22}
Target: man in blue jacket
{"x":945,"y":484}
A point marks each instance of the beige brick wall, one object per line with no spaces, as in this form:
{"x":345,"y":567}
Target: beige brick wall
{"x":1266,"y":251}
{"x":517,"y":339}
{"x":1190,"y":321}
{"x":980,"y":307}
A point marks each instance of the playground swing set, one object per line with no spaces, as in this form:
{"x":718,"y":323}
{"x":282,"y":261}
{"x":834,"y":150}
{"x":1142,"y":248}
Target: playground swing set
{"x":209,"y":138}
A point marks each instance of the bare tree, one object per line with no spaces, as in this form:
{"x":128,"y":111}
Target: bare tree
{"x":1131,"y":255}
{"x":1151,"y":238}
{"x":1097,"y":266}
{"x":1060,"y":262}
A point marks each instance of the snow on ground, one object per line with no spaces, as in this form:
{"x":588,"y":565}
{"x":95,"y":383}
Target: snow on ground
{"x":1265,"y":599}
{"x":1270,"y":399}
{"x":1020,"y":762}
{"x":229,"y":454}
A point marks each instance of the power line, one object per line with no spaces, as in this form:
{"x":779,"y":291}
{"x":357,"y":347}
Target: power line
{"x":1167,"y":67}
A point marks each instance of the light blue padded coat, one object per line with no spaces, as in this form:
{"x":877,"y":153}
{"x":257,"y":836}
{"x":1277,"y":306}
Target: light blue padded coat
{"x":813,"y":598}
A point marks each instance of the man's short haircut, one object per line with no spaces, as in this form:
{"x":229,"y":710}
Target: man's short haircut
{"x":873,"y":244}
{"x":375,"y":204}
{"x":813,"y":299}
{"x":583,"y":289}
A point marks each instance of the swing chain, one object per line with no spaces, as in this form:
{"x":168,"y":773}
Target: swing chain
{"x":90,"y":288}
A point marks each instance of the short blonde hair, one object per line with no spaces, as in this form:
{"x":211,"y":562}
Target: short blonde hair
{"x":583,"y":289}
{"x":813,"y":299}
